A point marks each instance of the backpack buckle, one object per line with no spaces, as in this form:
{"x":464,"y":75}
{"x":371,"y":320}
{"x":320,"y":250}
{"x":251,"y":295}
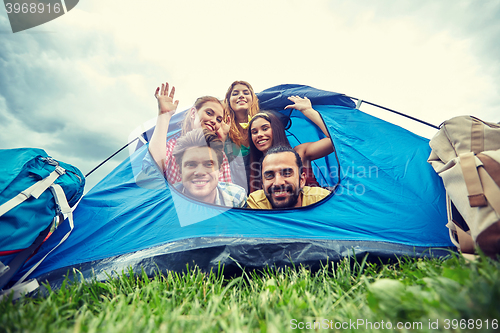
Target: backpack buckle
{"x":49,"y":160}
{"x":60,"y":170}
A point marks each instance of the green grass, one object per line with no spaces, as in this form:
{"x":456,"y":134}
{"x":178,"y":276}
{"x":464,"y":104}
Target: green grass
{"x":409,"y":291}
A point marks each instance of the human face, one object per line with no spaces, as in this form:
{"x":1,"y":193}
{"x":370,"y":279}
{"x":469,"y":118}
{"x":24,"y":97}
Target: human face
{"x":262,"y":134}
{"x":281,"y":180}
{"x":200,"y":173}
{"x":240,"y":98}
{"x":209,"y":116}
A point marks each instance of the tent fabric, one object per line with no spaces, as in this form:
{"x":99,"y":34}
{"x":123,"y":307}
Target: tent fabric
{"x":388,"y":202}
{"x":276,"y":98}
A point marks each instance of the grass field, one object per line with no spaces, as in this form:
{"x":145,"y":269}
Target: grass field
{"x":410,"y":295}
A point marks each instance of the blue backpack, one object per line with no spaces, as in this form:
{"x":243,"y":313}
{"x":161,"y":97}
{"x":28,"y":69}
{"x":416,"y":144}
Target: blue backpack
{"x":36,"y":195}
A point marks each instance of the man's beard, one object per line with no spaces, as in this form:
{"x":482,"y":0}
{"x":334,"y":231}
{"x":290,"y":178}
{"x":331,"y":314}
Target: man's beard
{"x":289,"y":201}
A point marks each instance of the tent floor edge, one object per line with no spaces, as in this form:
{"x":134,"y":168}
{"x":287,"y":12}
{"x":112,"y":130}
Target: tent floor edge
{"x":234,"y":253}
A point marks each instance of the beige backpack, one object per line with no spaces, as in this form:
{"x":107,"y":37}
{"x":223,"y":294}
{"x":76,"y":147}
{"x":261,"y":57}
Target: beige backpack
{"x":466,"y":155}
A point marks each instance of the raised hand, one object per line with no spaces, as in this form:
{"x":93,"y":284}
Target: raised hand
{"x":301,"y":104}
{"x":304,"y":105}
{"x":224,"y":128}
{"x":165,"y":99}
{"x":166,"y":108}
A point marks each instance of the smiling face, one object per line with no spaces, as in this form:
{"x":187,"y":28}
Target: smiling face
{"x":281,"y":180}
{"x":200,"y":173}
{"x":209,"y":116}
{"x":240,"y":98}
{"x":262,"y":134}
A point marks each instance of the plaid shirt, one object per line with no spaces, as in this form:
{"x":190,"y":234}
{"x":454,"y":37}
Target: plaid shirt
{"x":172,"y":172}
{"x":231,"y":195}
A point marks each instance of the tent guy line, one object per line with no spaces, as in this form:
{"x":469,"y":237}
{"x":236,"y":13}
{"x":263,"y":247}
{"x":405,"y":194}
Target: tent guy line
{"x":360,"y":101}
{"x":110,"y":157}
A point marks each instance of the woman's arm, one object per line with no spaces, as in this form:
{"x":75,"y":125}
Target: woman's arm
{"x":166,"y":108}
{"x":310,"y":151}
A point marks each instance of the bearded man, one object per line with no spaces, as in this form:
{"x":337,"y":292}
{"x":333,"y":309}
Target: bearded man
{"x":283,"y":182}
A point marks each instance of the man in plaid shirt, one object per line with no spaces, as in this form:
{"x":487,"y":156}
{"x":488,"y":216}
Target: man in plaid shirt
{"x":172,"y":171}
{"x":199,"y":156}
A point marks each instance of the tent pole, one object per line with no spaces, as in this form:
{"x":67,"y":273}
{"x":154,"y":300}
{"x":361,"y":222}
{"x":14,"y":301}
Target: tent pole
{"x":394,"y":111}
{"x":119,"y":150}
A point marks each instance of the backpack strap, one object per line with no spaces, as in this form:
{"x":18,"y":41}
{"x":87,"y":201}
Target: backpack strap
{"x":64,"y":209}
{"x":491,"y":166}
{"x":465,"y":240}
{"x":3,"y":269}
{"x":491,"y":190}
{"x":477,"y":136}
{"x":19,"y":290}
{"x":459,"y":232}
{"x":21,"y":257}
{"x":472,"y":181}
{"x":34,"y":190}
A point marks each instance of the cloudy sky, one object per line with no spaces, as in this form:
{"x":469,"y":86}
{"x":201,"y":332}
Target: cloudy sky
{"x":78,"y":86}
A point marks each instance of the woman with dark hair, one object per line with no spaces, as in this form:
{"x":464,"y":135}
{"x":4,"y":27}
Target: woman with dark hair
{"x":266,"y":131}
{"x":207,"y":112}
{"x":263,"y":125}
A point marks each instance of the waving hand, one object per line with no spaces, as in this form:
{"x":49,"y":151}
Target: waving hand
{"x":166,"y":102}
{"x":301,"y":104}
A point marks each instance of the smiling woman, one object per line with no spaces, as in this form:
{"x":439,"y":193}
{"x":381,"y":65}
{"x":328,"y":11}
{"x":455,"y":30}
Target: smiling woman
{"x":266,"y":131}
{"x":207,"y":113}
{"x":240,"y":104}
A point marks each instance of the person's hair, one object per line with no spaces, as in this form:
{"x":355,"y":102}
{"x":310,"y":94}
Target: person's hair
{"x":283,"y":149}
{"x":187,"y":123}
{"x":255,"y":155}
{"x":235,"y":131}
{"x":198,"y":138}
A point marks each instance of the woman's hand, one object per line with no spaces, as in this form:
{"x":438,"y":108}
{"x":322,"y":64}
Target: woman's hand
{"x":224,"y":128}
{"x":301,"y":104}
{"x":166,"y":108}
{"x":166,"y":102}
{"x":304,"y":105}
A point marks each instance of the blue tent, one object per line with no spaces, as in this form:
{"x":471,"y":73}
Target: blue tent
{"x":389,"y":202}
